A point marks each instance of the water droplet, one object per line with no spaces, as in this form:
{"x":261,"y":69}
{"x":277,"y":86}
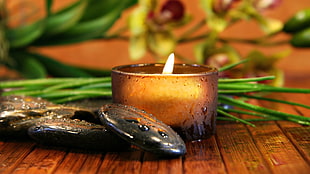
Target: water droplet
{"x":6,"y":107}
{"x":144,"y":127}
{"x":40,"y":105}
{"x":104,"y":113}
{"x":205,"y":110}
{"x":25,"y":106}
{"x":15,"y":98}
{"x":49,"y":113}
{"x":163,"y":134}
{"x":38,"y":128}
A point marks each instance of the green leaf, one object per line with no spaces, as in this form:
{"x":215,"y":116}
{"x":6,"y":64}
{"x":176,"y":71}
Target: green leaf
{"x":85,"y":31}
{"x":65,"y":18}
{"x":28,"y":66}
{"x":58,"y":69}
{"x":96,"y":9}
{"x":88,"y":29}
{"x":24,"y":35}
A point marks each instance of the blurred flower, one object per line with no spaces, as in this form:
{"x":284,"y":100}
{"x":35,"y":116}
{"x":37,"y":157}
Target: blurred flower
{"x":266,"y":4}
{"x":264,"y":65}
{"x":270,"y":26}
{"x":220,"y":6}
{"x":218,"y":60}
{"x":151,"y":29}
{"x":172,"y":10}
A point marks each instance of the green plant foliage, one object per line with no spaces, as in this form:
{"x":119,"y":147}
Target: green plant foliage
{"x":83,"y":20}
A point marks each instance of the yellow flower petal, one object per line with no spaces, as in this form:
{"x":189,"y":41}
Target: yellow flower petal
{"x":137,"y":20}
{"x":161,"y":43}
{"x":137,"y":47}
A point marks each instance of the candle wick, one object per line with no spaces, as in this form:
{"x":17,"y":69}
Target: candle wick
{"x":168,"y":68}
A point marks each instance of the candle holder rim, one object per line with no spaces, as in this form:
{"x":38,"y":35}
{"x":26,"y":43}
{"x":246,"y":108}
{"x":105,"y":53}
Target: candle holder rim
{"x":212,"y":70}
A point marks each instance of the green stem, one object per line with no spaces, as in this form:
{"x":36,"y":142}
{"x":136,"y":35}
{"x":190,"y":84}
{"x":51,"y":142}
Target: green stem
{"x":254,"y":79}
{"x":73,"y":92}
{"x":99,"y":85}
{"x":227,"y":67}
{"x":249,"y":113}
{"x":38,"y":82}
{"x":233,"y":92}
{"x":273,"y":100}
{"x":78,"y":83}
{"x":256,"y":41}
{"x":260,"y":87}
{"x":284,"y":116}
{"x":249,"y":119}
{"x":235,"y":118}
{"x":195,"y":38}
{"x":110,"y":37}
{"x":24,"y":91}
{"x":70,"y":98}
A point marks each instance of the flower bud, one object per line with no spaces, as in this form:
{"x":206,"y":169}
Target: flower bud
{"x":173,"y":10}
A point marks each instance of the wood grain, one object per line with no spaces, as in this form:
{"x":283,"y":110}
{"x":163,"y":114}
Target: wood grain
{"x":203,"y":157}
{"x":40,"y":160}
{"x":238,"y":149}
{"x":12,"y":153}
{"x":125,"y":162}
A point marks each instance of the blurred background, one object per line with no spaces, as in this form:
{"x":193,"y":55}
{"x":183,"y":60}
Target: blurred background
{"x":109,"y":53}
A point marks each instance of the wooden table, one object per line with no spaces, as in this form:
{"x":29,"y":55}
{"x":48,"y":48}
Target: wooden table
{"x":271,"y":147}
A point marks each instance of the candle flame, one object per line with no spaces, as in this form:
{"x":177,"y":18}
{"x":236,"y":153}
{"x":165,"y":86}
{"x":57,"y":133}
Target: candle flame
{"x":168,"y":68}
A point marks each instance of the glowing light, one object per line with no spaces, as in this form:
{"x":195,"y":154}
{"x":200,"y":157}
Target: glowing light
{"x":168,"y":68}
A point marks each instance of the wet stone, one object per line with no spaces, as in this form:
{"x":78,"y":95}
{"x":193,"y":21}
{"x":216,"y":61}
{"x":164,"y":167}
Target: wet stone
{"x":150,"y":134}
{"x":144,"y":127}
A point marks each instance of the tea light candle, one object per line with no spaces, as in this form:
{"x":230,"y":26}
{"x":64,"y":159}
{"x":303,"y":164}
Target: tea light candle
{"x":185,"y":99}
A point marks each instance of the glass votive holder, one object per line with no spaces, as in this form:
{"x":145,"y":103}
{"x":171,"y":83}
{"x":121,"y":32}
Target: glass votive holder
{"x":186,"y":100}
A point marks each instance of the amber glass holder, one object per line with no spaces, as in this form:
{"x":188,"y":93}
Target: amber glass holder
{"x":186,"y":100}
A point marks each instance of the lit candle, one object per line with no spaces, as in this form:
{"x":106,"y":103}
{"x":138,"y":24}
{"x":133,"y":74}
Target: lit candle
{"x":168,"y":68}
{"x":183,"y":96}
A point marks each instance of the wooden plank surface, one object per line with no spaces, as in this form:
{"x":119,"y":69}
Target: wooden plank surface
{"x":238,"y":149}
{"x":203,"y":157}
{"x":270,"y":147}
